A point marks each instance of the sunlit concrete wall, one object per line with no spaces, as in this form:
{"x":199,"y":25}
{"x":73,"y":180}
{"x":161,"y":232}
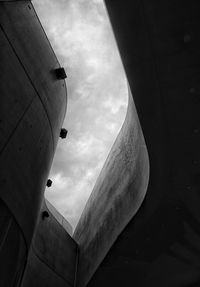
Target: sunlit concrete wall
{"x":159,"y":44}
{"x":66,"y":225}
{"x":32,"y":108}
{"x":116,"y":197}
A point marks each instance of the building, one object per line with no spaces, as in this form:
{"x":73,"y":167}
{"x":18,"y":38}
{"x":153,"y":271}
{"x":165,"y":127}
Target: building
{"x":141,"y":223}
{"x":33,"y":100}
{"x":159,"y":45}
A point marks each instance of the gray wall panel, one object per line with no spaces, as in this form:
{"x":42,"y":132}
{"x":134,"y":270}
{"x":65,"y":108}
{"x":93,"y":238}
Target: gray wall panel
{"x":159,"y":43}
{"x":32,"y":106}
{"x":53,"y":247}
{"x":12,"y":108}
{"x":39,"y":274}
{"x":13,"y":249}
{"x":24,"y":165}
{"x":32,"y":109}
{"x":26,"y":35}
{"x":116,"y":197}
{"x":65,"y":224}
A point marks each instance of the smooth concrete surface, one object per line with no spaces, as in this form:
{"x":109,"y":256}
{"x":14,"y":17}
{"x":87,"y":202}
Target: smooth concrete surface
{"x":159,"y":44}
{"x":25,"y":164}
{"x":12,"y":108}
{"x":116,"y":197}
{"x":53,"y":256}
{"x":32,"y":108}
{"x":19,"y":21}
{"x":123,"y":235}
{"x":13,"y":249}
{"x":32,"y":105}
{"x":65,"y":224}
{"x":39,"y":274}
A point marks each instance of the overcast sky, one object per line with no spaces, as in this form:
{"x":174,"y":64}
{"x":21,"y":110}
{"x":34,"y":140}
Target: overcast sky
{"x":81,"y":36}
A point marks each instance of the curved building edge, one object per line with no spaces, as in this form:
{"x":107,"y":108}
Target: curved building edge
{"x":116,"y":197}
{"x":33,"y":104}
{"x":159,"y":45}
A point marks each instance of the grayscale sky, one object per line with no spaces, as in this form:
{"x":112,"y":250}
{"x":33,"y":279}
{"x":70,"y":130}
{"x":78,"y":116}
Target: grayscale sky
{"x":82,"y":38}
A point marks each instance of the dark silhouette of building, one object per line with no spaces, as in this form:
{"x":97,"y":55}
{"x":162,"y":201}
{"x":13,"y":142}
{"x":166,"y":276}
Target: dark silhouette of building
{"x":140,"y":226}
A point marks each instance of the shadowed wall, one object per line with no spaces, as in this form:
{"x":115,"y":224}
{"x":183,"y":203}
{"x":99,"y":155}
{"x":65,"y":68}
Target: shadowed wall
{"x":116,"y":197}
{"x":53,"y":255}
{"x":33,"y":104}
{"x":159,"y":44}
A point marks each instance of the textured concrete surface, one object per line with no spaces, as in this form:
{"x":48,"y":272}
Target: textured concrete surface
{"x":159,"y":43}
{"x":53,"y":256}
{"x":116,"y":197}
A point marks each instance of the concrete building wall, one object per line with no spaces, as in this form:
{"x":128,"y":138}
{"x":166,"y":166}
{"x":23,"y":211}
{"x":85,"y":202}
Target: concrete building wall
{"x":53,"y":255}
{"x":65,"y":224}
{"x":116,"y":197}
{"x":13,"y":249}
{"x":159,"y":43}
{"x":33,"y":103}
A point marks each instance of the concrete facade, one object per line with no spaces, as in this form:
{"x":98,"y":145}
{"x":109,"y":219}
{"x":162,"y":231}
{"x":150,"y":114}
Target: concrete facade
{"x":33,"y":103}
{"x":27,"y":65}
{"x":159,"y":44}
{"x":53,"y":256}
{"x":141,"y":223}
{"x":116,"y":197}
{"x":65,"y":224}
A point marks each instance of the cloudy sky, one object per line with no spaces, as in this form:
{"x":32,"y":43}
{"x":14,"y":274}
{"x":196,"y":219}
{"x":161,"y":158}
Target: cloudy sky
{"x":82,"y":38}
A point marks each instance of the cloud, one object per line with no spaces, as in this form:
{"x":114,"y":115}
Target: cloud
{"x":83,"y":41}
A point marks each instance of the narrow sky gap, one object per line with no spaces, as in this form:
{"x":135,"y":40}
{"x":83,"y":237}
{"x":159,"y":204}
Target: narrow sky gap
{"x":82,"y":38}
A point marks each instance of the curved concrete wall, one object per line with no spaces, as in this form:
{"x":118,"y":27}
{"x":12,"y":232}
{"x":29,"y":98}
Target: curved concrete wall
{"x":53,"y":255}
{"x":13,"y":251}
{"x":32,"y":108}
{"x":116,"y":197}
{"x":159,"y":43}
